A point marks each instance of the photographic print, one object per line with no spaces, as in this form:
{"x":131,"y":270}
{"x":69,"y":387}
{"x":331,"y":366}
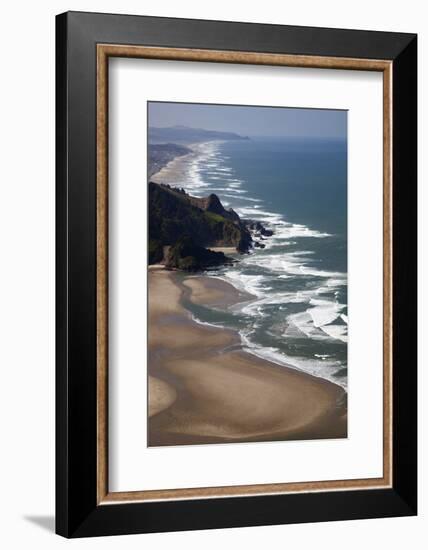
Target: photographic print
{"x":227,"y":216}
{"x":247,"y":274}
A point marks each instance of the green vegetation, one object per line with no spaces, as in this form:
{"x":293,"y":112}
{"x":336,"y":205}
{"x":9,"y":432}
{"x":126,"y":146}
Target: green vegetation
{"x":214,"y":217}
{"x":180,"y":222}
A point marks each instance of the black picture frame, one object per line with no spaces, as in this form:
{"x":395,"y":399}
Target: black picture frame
{"x":77,"y":511}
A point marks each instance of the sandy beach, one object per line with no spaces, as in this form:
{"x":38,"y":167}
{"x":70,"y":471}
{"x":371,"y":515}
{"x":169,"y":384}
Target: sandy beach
{"x":176,"y":169}
{"x":204,"y":388}
{"x":213,"y":292}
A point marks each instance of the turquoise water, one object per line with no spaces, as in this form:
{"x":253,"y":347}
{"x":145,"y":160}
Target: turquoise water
{"x":297,"y":188}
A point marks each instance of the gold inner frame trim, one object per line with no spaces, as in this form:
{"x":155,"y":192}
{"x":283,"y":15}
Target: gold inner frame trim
{"x":104,"y":51}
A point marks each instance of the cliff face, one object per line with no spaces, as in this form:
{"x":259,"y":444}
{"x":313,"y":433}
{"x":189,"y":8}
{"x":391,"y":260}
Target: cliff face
{"x":185,"y":254}
{"x":212,"y":204}
{"x":188,"y":225}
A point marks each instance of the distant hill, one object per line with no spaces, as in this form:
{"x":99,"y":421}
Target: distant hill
{"x":182,"y":228}
{"x":185,"y":134}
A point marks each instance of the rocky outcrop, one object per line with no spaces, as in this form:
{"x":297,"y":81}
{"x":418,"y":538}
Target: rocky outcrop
{"x":258,"y":228}
{"x":185,"y":254}
{"x":212,"y":204}
{"x":189,"y":225}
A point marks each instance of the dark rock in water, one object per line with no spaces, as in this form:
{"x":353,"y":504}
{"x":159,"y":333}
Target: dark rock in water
{"x":259,"y":227}
{"x":245,"y":242}
{"x":258,"y":244}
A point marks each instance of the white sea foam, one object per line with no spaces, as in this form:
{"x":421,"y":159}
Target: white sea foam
{"x":324,"y":312}
{"x":246,"y":283}
{"x":309,"y":322}
{"x":304,"y":322}
{"x":241,"y":198}
{"x":285,"y":231}
{"x":322,"y":319}
{"x":335,"y":278}
{"x":325,"y":369}
{"x":288,"y":263}
{"x":338,"y":332}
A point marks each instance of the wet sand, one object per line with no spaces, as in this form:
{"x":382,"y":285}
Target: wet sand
{"x":203,"y":388}
{"x":213,"y":292}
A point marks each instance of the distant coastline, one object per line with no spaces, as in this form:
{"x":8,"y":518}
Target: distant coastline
{"x":273,"y":314}
{"x":188,"y":232}
{"x":167,"y":165}
{"x":183,"y":135}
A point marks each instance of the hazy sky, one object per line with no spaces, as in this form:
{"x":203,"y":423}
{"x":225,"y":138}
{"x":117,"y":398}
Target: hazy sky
{"x":251,"y":121}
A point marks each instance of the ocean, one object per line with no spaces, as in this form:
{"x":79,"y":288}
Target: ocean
{"x":297,"y":188}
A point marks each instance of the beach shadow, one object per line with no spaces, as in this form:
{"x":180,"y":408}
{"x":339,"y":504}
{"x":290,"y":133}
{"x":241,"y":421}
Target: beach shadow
{"x":45,"y":522}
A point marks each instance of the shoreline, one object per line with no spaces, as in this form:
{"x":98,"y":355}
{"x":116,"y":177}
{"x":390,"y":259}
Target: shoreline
{"x":333,"y":364}
{"x":204,"y":388}
{"x":172,"y":171}
{"x":213,"y":292}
